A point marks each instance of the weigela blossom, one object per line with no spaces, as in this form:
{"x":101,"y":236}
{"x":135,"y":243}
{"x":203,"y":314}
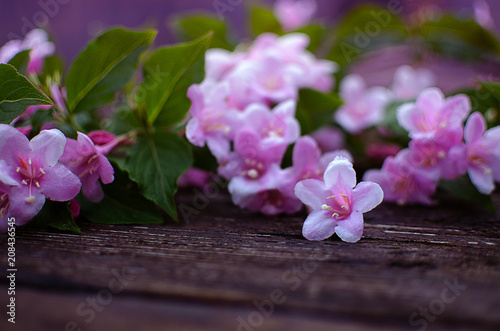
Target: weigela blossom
{"x":408,"y":83}
{"x":482,"y":153}
{"x":271,"y":194}
{"x":363,"y":107}
{"x":89,"y":163}
{"x":308,"y":162}
{"x":432,"y":114}
{"x":210,"y":118}
{"x":37,"y":41}
{"x":337,"y":204}
{"x":32,"y":172}
{"x":482,"y":14}
{"x":402,"y":181}
{"x":294,"y":14}
{"x":329,"y":139}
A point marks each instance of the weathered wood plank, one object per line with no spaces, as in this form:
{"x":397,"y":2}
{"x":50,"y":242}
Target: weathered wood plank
{"x":226,"y":259}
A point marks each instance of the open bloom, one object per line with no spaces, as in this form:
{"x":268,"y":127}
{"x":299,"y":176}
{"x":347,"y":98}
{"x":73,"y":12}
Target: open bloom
{"x":409,"y":83}
{"x":403,"y":181}
{"x":294,"y":14}
{"x":483,"y":153}
{"x":432,"y":114}
{"x":31,"y":172}
{"x":89,"y":163}
{"x":337,"y":204}
{"x":37,"y":41}
{"x":270,"y":194}
{"x":363,"y":106}
{"x":209,"y":121}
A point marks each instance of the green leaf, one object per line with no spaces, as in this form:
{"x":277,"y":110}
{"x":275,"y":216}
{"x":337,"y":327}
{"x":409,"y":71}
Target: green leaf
{"x":16,"y":94}
{"x":122,"y":204}
{"x":390,"y":120}
{"x":464,"y":189}
{"x":194,"y":26}
{"x":486,"y":100}
{"x":55,"y":215}
{"x":315,"y":109}
{"x":263,"y":20}
{"x":168,"y":73}
{"x":356,"y":35}
{"x":315,"y":33}
{"x":104,"y":67}
{"x":465,"y":39}
{"x":53,"y":67}
{"x":156,"y":162}
{"x":21,"y":61}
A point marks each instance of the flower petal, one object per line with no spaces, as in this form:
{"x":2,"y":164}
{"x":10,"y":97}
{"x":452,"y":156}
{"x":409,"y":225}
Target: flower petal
{"x":351,"y":229}
{"x":305,"y":152}
{"x":482,"y":180}
{"x":430,"y":100}
{"x":474,"y":128}
{"x":366,"y":196}
{"x":12,"y":144}
{"x":456,"y":109}
{"x":319,"y":225}
{"x":340,"y":172}
{"x":106,"y":171}
{"x":312,"y":192}
{"x":5,"y":177}
{"x":48,"y":146}
{"x":91,"y":188}
{"x":22,"y":210}
{"x":60,"y":184}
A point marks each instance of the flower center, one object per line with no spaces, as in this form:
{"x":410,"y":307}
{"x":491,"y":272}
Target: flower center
{"x":31,"y":175}
{"x":340,"y":205}
{"x":273,"y":198}
{"x":253,"y":169}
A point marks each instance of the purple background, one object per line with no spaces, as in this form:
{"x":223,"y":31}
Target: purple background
{"x":73,"y":22}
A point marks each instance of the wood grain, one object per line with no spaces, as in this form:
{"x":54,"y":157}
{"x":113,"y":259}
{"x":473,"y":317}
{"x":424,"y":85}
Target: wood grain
{"x":214,"y":272}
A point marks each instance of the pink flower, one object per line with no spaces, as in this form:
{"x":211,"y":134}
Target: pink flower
{"x":438,"y":156}
{"x":483,"y":153}
{"x":251,"y":157}
{"x":363,"y":107}
{"x":219,"y":62}
{"x":306,"y":70}
{"x":294,"y":14}
{"x":89,"y":163}
{"x":409,"y":83}
{"x":337,"y":204}
{"x":210,"y":122}
{"x":32,"y":173}
{"x":308,"y":161}
{"x":37,"y":41}
{"x":482,"y":14}
{"x":329,"y":139}
{"x":432,"y":113}
{"x":402,"y":181}
{"x":270,"y":194}
{"x":380,"y":151}
{"x":194,"y":177}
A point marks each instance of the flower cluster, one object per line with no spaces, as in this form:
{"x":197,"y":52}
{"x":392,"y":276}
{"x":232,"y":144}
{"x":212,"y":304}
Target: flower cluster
{"x":49,"y":166}
{"x":437,"y":150}
{"x":365,"y":107}
{"x":244,"y":111}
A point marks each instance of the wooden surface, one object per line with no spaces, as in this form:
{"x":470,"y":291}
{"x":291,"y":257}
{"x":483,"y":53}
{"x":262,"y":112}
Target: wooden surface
{"x":212,"y":273}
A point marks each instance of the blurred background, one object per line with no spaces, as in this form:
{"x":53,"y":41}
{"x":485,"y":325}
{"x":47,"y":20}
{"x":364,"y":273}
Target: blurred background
{"x":72,"y":23}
